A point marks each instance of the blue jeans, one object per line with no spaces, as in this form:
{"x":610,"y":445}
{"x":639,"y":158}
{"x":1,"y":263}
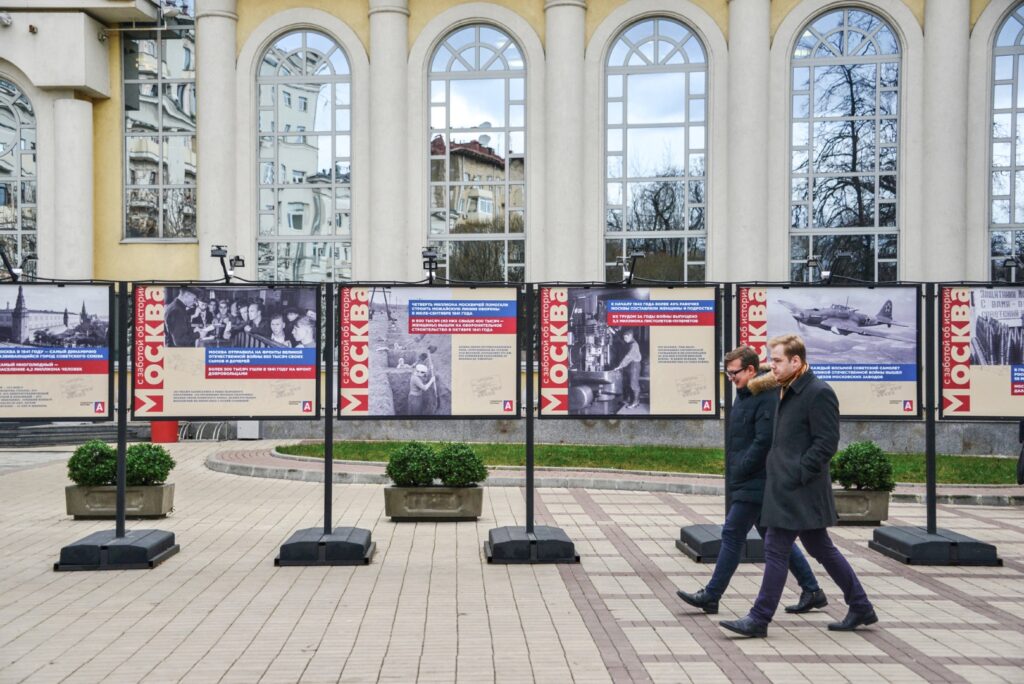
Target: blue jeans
{"x":742,"y":516}
{"x":776,"y":550}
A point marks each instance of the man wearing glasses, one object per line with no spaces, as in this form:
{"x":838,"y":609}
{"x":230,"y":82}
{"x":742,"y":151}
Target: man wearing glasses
{"x":748,"y":438}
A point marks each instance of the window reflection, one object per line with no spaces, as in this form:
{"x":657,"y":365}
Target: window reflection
{"x":304,"y":160}
{"x":1006,"y":186}
{"x":159,"y":103}
{"x":844,"y":141}
{"x":18,"y":199}
{"x":477,"y":162}
{"x":655,"y":168}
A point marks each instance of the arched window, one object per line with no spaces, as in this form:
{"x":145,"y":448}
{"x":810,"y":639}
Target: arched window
{"x":1006,"y":191}
{"x":656,"y":151}
{"x":477,"y":132}
{"x":844,"y":147}
{"x":304,"y":160}
{"x":17,"y":176}
{"x":159,"y":103}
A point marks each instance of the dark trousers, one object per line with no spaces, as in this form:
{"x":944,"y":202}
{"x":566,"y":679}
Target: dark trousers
{"x":631,"y":379}
{"x":742,"y":516}
{"x":777,"y":545}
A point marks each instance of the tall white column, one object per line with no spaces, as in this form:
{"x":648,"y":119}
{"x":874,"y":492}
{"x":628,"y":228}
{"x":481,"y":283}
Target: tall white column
{"x":944,"y":210}
{"x":749,"y":45}
{"x":216,"y":22}
{"x":392,"y":257}
{"x":73,"y":183}
{"x":563,"y":230}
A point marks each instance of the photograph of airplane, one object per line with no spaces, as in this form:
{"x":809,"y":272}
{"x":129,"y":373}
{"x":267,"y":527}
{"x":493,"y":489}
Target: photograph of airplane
{"x":838,"y":325}
{"x":842,"y":319}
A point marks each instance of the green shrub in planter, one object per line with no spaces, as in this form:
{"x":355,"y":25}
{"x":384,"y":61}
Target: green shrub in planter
{"x":863,"y":465}
{"x":411,"y":465}
{"x":459,"y":466}
{"x":93,"y":464}
{"x":147,"y":464}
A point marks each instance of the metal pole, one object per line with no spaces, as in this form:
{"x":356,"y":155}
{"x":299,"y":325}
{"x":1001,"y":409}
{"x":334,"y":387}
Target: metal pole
{"x":929,"y":430}
{"x":123,"y":324}
{"x":726,"y":319}
{"x":329,"y":412}
{"x":529,"y":408}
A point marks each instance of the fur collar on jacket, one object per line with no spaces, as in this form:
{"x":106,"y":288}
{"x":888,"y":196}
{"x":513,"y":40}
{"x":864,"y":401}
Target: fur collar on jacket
{"x":763,"y":382}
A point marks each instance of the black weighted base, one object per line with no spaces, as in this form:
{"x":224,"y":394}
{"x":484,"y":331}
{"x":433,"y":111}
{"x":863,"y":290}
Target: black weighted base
{"x":104,"y":550}
{"x":914,"y":546}
{"x":545,"y":545}
{"x":344,"y":546}
{"x":703,"y":542}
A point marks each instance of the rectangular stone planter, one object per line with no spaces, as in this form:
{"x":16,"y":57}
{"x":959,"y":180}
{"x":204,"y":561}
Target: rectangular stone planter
{"x":439,"y":504}
{"x":861,"y":506}
{"x":154,"y":501}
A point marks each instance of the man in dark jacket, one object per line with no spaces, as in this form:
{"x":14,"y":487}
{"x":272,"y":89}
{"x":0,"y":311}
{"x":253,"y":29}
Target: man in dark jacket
{"x":798,"y":495}
{"x":177,"y":319}
{"x":748,"y":438}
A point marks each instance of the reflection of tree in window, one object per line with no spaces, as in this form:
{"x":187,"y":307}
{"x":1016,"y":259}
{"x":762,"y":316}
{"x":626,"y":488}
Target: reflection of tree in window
{"x":477,"y":162}
{"x":1006,"y":188}
{"x":655,"y":158}
{"x":304,"y":159}
{"x":843,"y":190}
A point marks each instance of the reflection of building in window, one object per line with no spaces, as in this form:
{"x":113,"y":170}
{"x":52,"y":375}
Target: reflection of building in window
{"x":655,"y":172}
{"x":160,"y":119}
{"x":845,"y":89}
{"x":477,"y":156}
{"x":304,"y":99}
{"x":17,"y":176}
{"x":1006,"y":190}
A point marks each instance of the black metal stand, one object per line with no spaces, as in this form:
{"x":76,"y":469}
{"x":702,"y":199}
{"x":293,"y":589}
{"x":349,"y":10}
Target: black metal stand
{"x":703,"y":542}
{"x":529,"y":544}
{"x":931,"y":545}
{"x":327,"y":546}
{"x":115,"y":549}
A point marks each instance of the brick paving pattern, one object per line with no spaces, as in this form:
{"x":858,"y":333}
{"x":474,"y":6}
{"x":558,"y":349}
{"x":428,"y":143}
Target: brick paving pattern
{"x":429,"y":608}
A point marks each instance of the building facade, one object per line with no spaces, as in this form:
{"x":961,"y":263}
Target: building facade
{"x":538,"y":140}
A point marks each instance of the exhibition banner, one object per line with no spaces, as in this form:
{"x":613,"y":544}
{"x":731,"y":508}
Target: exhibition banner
{"x":628,"y":351}
{"x":982,"y":351}
{"x":202,"y":351}
{"x":862,"y":341}
{"x":55,"y":344}
{"x":428,"y":352}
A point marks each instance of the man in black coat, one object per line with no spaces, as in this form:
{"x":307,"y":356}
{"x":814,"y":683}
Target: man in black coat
{"x":178,"y":319}
{"x":798,"y":495}
{"x":748,"y":438}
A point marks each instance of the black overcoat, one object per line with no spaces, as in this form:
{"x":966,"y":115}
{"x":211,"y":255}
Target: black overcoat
{"x":798,"y":493}
{"x":748,"y":438}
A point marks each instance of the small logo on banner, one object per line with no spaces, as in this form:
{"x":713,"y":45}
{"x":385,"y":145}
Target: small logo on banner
{"x":307,"y":407}
{"x":99,"y":407}
{"x":705,"y":404}
{"x":908,"y":406}
{"x":507,"y":406}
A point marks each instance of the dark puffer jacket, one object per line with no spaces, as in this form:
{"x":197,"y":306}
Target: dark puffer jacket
{"x":749,"y":437}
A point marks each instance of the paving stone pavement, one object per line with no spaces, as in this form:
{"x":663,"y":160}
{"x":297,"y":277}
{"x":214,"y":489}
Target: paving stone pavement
{"x":429,"y":608}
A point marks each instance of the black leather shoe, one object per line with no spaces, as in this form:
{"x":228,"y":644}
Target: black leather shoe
{"x":853,"y":620}
{"x":746,"y":626}
{"x":809,"y":600}
{"x":701,"y":599}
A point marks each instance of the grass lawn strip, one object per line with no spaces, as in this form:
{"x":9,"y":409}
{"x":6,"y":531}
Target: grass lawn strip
{"x":906,"y":467}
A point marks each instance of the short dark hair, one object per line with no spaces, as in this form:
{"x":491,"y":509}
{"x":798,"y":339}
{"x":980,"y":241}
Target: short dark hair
{"x":746,"y":355}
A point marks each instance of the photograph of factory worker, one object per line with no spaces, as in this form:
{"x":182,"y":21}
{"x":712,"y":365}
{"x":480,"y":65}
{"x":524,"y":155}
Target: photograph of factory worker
{"x":798,"y":500}
{"x":748,"y":438}
{"x":630,"y":367}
